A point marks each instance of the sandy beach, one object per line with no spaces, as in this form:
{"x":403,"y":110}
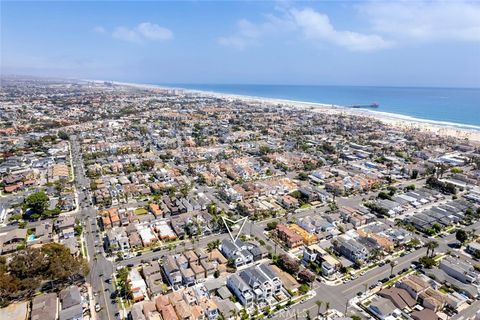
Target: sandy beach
{"x":458,"y":131}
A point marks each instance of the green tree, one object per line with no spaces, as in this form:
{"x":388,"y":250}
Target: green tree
{"x":414,"y":242}
{"x":461,"y":235}
{"x":63,"y":135}
{"x":78,"y":227}
{"x":61,"y":264}
{"x":123,"y":283}
{"x":272,"y":225}
{"x":31,"y":268}
{"x":392,"y":265}
{"x":213,"y":245}
{"x":428,"y":262}
{"x":303,"y":289}
{"x":38,"y":202}
{"x":431,"y":245}
{"x":302,"y":176}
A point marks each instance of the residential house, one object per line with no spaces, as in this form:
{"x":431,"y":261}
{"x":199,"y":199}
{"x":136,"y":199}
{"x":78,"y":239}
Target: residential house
{"x":44,"y":307}
{"x":414,"y":285}
{"x":288,"y":236}
{"x":11,"y":240}
{"x":15,"y":311}
{"x":237,"y":251}
{"x":259,"y":281}
{"x":172,"y":271}
{"x":351,"y":249}
{"x":71,"y":304}
{"x":460,"y":270}
{"x":399,"y":297}
{"x":137,"y":285}
{"x":241,"y":290}
{"x":382,"y":308}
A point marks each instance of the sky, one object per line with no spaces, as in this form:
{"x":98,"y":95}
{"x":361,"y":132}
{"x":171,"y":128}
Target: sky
{"x":387,"y":43}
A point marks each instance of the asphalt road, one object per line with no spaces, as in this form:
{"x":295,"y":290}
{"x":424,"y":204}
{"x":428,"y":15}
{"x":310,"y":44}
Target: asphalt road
{"x":338,"y":296}
{"x":101,"y":269}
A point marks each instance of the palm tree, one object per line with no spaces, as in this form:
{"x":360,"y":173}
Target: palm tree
{"x":376,"y":253}
{"x":392,"y":265}
{"x":319,"y":305}
{"x":431,"y":245}
{"x":414,"y":242}
{"x":243,"y":314}
{"x":233,"y":313}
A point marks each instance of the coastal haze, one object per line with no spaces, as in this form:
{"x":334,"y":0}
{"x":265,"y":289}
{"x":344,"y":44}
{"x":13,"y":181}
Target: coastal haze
{"x":240,"y":160}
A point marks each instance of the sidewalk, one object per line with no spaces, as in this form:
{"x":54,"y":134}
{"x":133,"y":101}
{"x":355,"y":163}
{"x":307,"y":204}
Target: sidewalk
{"x":91,"y":301}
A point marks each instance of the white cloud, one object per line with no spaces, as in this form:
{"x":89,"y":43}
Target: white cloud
{"x":125,"y":34}
{"x":154,"y":31}
{"x":425,"y":21}
{"x":145,"y":31}
{"x":390,"y":23}
{"x":247,"y":33}
{"x":314,"y":26}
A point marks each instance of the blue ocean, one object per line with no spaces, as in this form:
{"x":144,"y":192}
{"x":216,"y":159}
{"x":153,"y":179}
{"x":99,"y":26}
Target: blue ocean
{"x":456,"y":106}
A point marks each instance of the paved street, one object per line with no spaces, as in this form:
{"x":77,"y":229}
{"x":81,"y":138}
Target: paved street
{"x":101,"y":269}
{"x":338,"y":296}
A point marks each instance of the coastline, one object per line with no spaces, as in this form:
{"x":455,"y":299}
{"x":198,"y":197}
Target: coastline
{"x":403,"y":122}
